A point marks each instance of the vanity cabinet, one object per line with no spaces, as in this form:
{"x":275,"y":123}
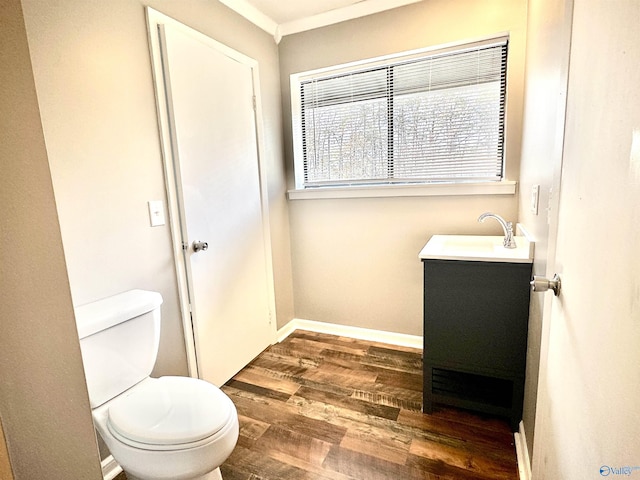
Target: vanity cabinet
{"x":475,"y":335}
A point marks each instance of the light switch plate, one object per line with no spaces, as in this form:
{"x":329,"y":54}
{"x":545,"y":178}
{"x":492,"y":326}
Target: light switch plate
{"x":156,"y":213}
{"x":535,"y":199}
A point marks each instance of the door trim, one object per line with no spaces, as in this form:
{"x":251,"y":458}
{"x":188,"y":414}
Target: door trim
{"x":156,"y":22}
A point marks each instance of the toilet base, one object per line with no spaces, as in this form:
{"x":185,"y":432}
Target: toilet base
{"x":215,"y":475}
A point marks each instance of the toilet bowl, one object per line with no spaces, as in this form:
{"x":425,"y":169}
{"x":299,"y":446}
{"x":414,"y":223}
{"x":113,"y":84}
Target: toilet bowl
{"x":167,"y":428}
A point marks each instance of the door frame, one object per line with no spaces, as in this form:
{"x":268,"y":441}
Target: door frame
{"x":171,"y":163}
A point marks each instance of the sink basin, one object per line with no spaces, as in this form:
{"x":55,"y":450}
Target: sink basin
{"x":480,"y":248}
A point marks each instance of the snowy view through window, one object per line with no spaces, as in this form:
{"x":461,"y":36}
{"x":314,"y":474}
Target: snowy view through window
{"x":439,"y":131}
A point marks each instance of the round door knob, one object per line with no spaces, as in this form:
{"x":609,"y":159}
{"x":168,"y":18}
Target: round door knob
{"x":542,"y":284}
{"x":200,"y":246}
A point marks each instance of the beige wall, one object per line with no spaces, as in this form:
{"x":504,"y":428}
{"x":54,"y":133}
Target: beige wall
{"x":355,"y":260}
{"x":44,"y":405}
{"x":94,"y":81}
{"x":547,"y":65}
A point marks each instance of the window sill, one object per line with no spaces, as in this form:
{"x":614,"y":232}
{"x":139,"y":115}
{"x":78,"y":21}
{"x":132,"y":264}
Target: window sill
{"x":506,"y":187}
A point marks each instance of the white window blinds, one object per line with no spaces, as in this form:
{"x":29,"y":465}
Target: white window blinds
{"x":435,"y":118}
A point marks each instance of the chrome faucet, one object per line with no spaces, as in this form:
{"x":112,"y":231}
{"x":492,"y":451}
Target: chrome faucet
{"x":509,"y":241}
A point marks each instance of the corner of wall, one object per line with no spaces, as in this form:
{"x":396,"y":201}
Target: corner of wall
{"x":6,"y":473}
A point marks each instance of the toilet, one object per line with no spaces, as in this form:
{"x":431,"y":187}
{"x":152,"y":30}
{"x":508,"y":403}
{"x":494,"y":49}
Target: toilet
{"x":166,"y":428}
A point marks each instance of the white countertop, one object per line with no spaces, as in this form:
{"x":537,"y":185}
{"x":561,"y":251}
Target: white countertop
{"x":479,"y":248}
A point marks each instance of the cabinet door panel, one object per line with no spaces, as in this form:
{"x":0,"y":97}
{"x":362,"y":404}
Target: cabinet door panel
{"x":476,"y":315}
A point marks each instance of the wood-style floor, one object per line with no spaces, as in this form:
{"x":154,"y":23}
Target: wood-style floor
{"x":318,"y":406}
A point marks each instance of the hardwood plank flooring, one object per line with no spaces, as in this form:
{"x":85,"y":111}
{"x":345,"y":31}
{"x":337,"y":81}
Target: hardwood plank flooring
{"x":318,"y":406}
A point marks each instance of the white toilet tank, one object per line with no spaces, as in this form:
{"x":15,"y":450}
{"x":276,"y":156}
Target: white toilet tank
{"x":119,"y":339}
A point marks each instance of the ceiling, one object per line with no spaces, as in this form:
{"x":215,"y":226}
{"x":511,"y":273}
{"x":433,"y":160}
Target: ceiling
{"x":284,"y":12}
{"x":280,"y":18}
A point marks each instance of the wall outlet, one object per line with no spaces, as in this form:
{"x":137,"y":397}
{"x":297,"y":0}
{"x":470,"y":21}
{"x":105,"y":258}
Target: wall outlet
{"x":156,"y":213}
{"x":535,"y":199}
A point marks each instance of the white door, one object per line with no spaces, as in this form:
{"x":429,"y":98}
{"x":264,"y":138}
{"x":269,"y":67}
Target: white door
{"x":588,"y":413}
{"x":212,"y":123}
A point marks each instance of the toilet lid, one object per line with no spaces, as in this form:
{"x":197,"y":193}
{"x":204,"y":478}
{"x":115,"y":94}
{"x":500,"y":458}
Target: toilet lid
{"x":170,"y":411}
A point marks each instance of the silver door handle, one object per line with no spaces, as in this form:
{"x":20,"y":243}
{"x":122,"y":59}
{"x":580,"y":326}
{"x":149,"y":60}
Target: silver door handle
{"x":199,"y":246}
{"x":542,"y":284}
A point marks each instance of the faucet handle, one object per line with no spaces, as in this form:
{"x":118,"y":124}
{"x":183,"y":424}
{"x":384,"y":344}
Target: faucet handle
{"x":509,"y":241}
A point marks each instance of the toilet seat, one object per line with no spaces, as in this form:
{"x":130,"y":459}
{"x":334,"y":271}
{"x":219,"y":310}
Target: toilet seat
{"x":170,"y":413}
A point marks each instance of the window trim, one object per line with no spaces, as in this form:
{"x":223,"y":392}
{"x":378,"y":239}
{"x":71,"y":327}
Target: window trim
{"x":504,"y":186}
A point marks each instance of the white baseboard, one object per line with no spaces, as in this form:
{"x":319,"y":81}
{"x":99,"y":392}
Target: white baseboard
{"x":110,"y":468}
{"x":522,"y":453}
{"x":400,"y":339}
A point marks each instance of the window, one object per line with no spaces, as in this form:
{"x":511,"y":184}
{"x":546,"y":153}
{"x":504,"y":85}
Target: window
{"x":435,"y":117}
